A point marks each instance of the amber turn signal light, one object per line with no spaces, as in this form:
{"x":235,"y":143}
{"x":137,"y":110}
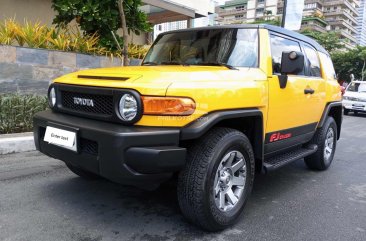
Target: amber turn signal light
{"x":168,"y":105}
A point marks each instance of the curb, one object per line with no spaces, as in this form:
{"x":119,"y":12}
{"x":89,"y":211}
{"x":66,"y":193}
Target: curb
{"x":14,"y":143}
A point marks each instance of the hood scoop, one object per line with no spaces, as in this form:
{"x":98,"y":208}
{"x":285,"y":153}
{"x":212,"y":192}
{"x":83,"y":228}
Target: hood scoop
{"x":102,"y":77}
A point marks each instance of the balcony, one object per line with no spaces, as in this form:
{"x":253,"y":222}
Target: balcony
{"x":331,"y":3}
{"x":313,"y":27}
{"x":341,"y":12}
{"x":343,"y":23}
{"x":224,"y":13}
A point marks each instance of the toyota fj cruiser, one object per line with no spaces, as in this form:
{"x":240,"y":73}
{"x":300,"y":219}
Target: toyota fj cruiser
{"x":212,"y":105}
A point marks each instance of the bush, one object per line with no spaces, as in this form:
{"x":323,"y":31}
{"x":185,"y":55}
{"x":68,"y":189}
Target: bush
{"x":35,"y":35}
{"x":17,"y":111}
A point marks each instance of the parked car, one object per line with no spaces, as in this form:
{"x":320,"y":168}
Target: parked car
{"x":354,"y":98}
{"x":210,"y":106}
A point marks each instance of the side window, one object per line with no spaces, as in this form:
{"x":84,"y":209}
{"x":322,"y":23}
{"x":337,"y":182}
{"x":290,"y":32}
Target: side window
{"x":313,"y":61}
{"x":278,"y":45}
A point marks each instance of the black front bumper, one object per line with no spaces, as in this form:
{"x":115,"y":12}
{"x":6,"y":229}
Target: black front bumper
{"x":131,"y":155}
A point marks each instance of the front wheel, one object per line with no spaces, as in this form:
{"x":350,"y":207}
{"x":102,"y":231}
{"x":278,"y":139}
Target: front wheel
{"x":217,"y":179}
{"x":345,"y":111}
{"x":326,"y":140}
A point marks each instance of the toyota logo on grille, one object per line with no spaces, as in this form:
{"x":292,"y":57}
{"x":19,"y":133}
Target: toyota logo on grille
{"x":83,"y":101}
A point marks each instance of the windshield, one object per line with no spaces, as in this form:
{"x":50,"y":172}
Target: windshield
{"x":228,"y":47}
{"x":357,"y":87}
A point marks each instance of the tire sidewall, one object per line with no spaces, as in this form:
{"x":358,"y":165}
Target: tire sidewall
{"x":329,"y":124}
{"x":224,"y":146}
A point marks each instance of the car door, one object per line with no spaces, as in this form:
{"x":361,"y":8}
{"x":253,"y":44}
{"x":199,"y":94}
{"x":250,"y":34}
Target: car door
{"x":291,"y":119}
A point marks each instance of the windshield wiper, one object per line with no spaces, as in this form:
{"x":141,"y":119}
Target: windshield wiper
{"x":149,"y":63}
{"x":219,"y":64}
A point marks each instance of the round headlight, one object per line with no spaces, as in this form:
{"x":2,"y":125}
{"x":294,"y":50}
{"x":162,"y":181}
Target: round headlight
{"x":128,"y":107}
{"x":52,"y":97}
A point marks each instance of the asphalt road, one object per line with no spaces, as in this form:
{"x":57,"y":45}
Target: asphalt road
{"x":41,"y":200}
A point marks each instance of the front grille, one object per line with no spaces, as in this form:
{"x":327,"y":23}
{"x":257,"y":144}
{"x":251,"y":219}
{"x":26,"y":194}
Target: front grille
{"x":89,"y":146}
{"x":102,"y":104}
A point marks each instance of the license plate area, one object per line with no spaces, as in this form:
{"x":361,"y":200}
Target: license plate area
{"x":62,"y":136}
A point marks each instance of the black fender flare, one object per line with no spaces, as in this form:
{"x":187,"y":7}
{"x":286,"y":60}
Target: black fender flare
{"x":200,"y":126}
{"x":333,"y":109}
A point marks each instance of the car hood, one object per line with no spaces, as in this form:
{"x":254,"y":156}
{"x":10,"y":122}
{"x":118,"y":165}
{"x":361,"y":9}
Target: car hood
{"x":155,"y":80}
{"x":355,"y":94}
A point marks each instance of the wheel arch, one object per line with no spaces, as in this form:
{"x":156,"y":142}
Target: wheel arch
{"x":333,"y":109}
{"x":248,"y":121}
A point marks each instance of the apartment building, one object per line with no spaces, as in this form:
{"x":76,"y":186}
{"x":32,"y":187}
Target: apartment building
{"x":319,"y":15}
{"x":237,"y":11}
{"x":361,"y":27}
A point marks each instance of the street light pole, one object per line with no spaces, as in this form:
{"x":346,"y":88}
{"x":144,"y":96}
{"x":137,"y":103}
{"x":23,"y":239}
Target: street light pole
{"x":284,"y":13}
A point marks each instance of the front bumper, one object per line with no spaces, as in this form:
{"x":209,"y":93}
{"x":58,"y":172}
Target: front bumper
{"x":131,"y":155}
{"x":354,"y":105}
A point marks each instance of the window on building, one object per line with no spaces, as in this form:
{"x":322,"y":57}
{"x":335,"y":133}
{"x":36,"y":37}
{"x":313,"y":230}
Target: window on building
{"x":279,"y":45}
{"x":260,"y":10}
{"x":241,"y":7}
{"x":313,"y":61}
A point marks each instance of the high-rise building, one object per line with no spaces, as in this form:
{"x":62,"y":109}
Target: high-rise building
{"x":361,"y":27}
{"x":318,"y":15}
{"x":237,"y":11}
{"x":342,"y":15}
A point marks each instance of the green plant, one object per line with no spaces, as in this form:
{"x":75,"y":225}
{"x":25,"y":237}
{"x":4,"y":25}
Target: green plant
{"x":68,"y":38}
{"x":7,"y":32}
{"x":137,"y":51}
{"x":16,"y":111}
{"x":101,"y":17}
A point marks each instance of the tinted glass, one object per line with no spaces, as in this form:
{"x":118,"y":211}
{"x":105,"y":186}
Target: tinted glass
{"x":313,"y":61}
{"x":279,"y":45}
{"x":235,"y":47}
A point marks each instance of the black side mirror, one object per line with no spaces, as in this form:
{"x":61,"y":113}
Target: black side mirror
{"x":291,"y":63}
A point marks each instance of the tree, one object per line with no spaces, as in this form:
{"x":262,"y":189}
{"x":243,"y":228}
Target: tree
{"x":349,"y":62}
{"x":267,"y":14}
{"x":329,"y":40}
{"x":102,"y":17}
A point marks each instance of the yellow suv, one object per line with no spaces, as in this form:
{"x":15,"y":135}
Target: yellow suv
{"x":210,"y":106}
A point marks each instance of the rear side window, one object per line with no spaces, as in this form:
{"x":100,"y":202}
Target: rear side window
{"x":313,"y":61}
{"x":279,"y":45}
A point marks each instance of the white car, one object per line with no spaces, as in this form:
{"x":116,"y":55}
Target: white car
{"x":354,"y":99}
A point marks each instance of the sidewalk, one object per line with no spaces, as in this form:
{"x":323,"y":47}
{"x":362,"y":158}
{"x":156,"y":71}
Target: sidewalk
{"x":14,"y":143}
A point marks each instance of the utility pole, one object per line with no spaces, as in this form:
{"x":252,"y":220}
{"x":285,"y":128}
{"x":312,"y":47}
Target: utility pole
{"x":284,"y":13}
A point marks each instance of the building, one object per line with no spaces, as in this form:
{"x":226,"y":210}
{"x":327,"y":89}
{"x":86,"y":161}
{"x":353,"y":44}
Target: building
{"x":313,"y":17}
{"x":342,"y":16}
{"x":318,"y":15}
{"x":198,"y":21}
{"x":361,"y":27}
{"x":158,"y":11}
{"x":237,"y":11}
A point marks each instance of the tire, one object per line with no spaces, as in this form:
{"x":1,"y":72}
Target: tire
{"x":325,"y":138}
{"x":83,"y":173}
{"x":200,"y":187}
{"x":345,"y":111}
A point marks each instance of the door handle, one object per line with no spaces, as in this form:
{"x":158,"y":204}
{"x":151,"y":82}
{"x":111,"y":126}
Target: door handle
{"x":309,"y":91}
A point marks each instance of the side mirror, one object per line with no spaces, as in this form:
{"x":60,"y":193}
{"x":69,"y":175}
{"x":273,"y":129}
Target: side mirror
{"x":291,"y":63}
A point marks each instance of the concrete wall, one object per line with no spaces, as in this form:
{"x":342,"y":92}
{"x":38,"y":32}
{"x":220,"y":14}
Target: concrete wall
{"x":32,"y":10}
{"x":27,"y":70}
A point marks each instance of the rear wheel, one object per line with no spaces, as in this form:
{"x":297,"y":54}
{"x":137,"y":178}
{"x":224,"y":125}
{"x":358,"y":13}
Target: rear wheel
{"x":82,"y":173}
{"x":217,"y":179}
{"x":326,"y":140}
